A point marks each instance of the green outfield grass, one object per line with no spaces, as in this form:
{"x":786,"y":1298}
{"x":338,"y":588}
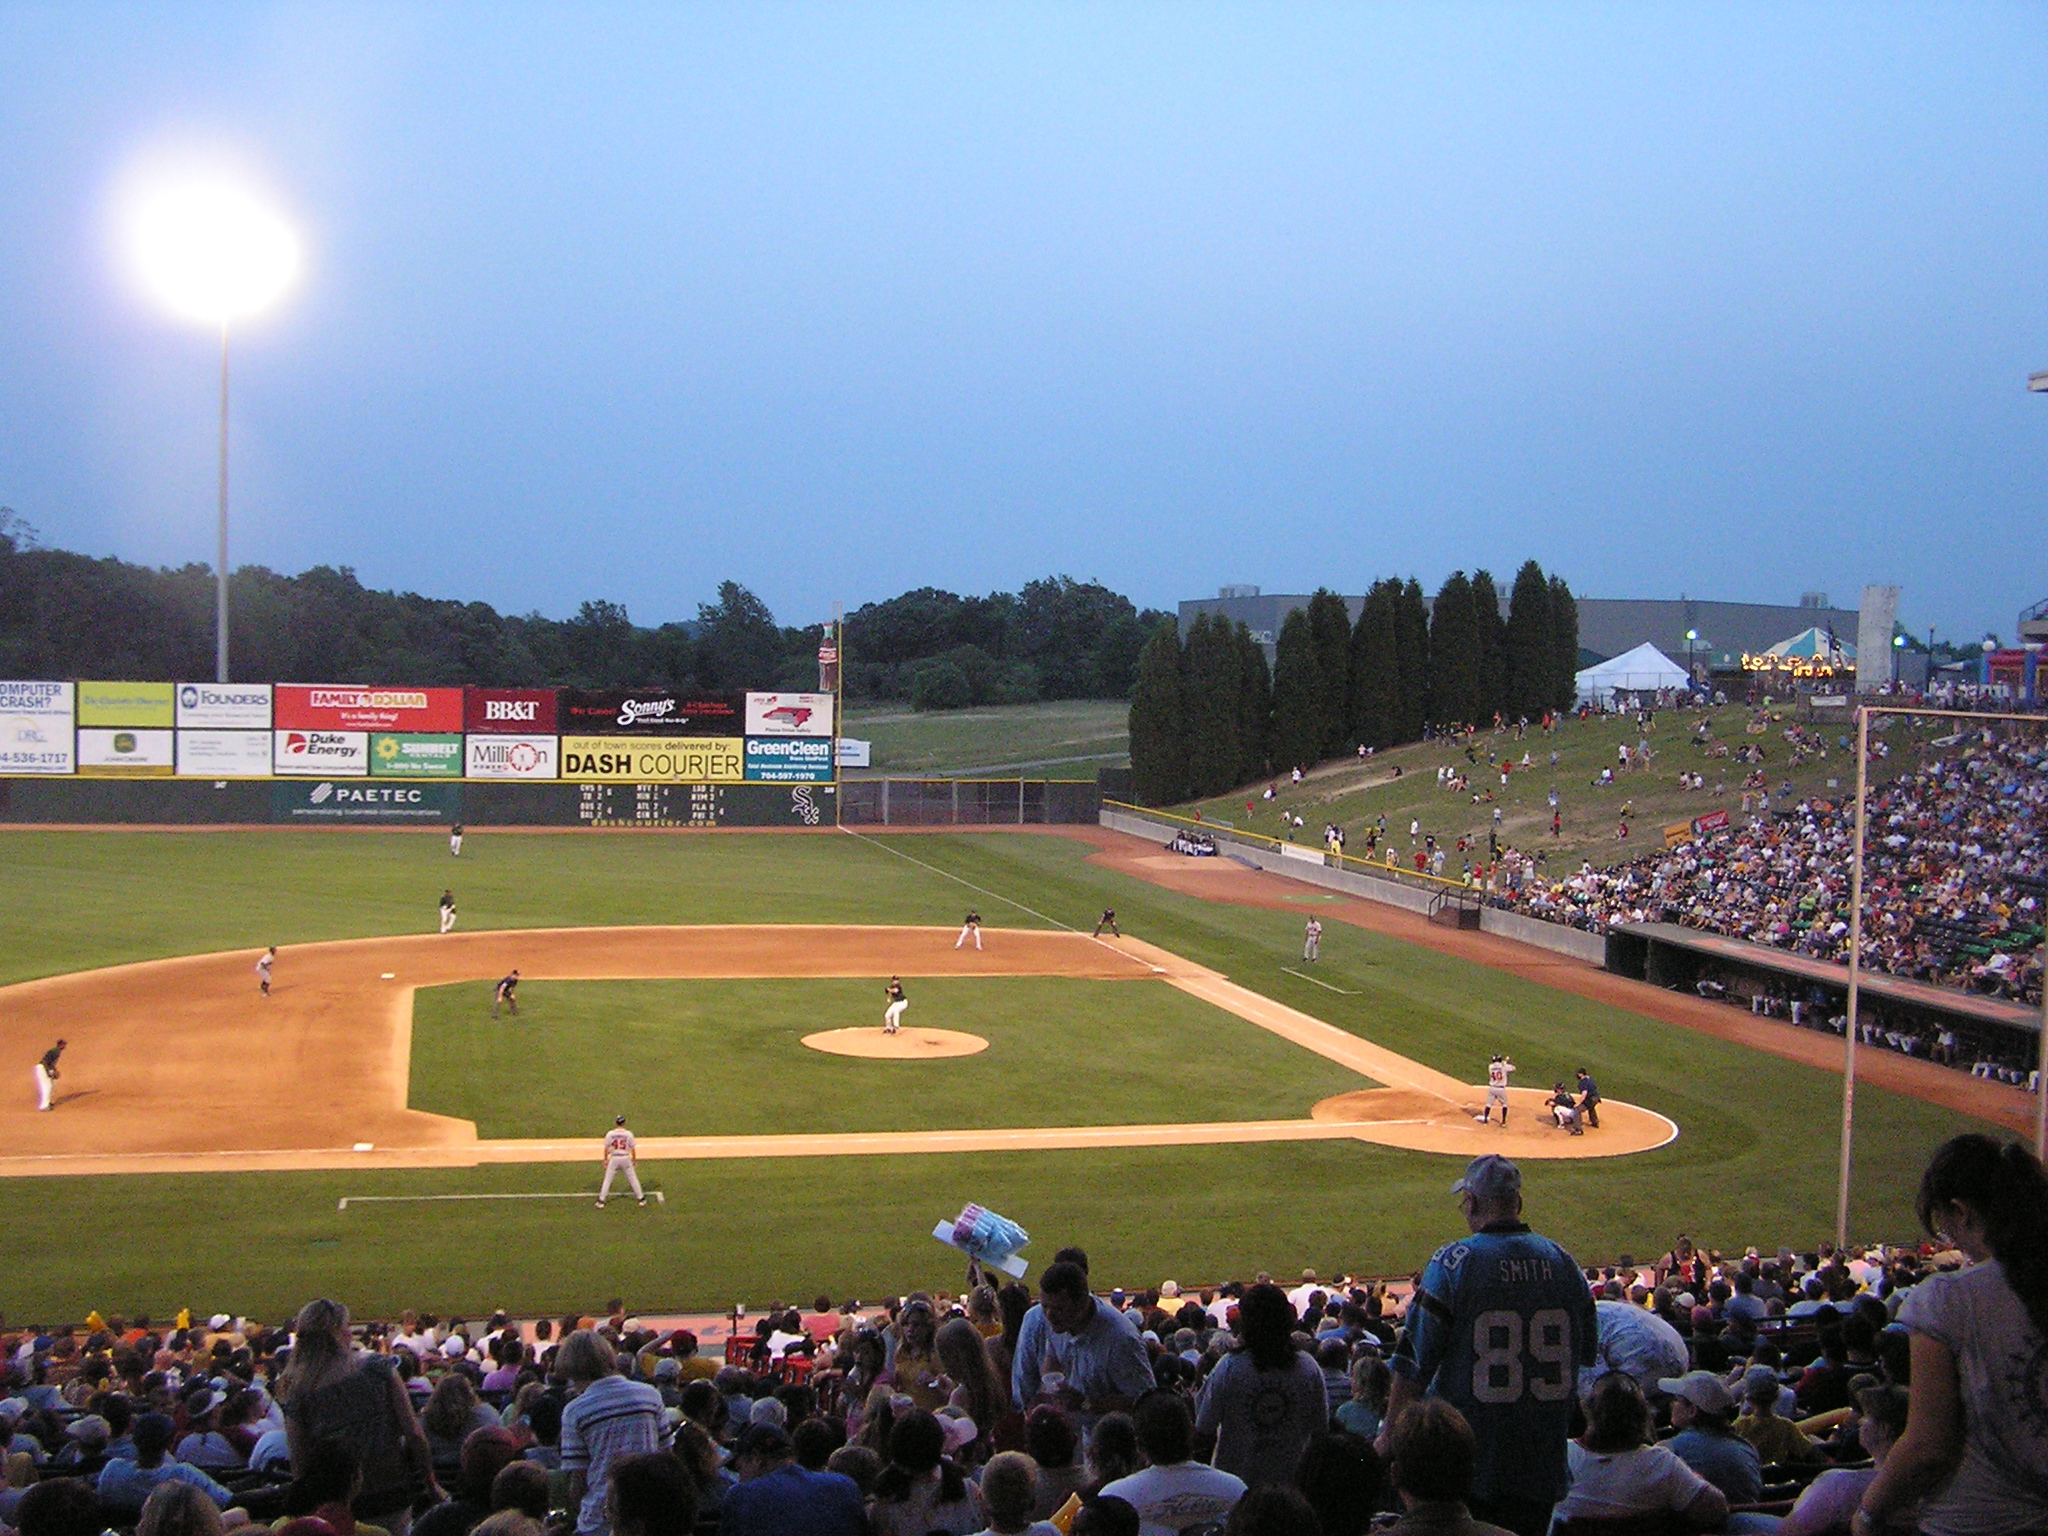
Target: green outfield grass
{"x":1355,"y":793}
{"x":725,"y":1058}
{"x":1754,"y":1163}
{"x":1069,"y":738}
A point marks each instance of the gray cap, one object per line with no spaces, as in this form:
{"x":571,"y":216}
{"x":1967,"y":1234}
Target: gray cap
{"x":1490,"y":1177}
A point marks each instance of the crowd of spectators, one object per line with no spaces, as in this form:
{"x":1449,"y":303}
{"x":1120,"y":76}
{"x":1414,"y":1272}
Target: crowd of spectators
{"x":1956,"y":874}
{"x":1505,"y":1389}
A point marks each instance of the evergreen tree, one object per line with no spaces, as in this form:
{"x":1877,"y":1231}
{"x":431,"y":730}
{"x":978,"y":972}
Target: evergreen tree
{"x":1254,"y":704}
{"x":1209,"y":707}
{"x":1329,"y":625}
{"x":1454,"y":655}
{"x":1532,"y":655}
{"x":1493,"y":648}
{"x":1411,"y":635}
{"x":1297,"y":696}
{"x":1159,"y":748}
{"x":1564,"y":640}
{"x":1376,"y":667}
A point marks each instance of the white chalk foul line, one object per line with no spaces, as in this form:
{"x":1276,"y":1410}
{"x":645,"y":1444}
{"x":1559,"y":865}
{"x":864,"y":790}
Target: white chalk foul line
{"x":569,"y":1194}
{"x":948,"y":874}
{"x":1340,"y":991}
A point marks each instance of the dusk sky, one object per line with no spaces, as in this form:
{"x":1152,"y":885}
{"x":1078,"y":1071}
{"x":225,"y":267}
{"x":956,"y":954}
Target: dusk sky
{"x":615,"y":301}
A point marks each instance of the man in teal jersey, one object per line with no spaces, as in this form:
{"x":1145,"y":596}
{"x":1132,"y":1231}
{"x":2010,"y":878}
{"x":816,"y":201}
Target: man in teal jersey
{"x":1498,"y":1327}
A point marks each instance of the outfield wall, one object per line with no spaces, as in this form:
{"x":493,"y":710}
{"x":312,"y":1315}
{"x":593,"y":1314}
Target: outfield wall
{"x":1304,"y":864}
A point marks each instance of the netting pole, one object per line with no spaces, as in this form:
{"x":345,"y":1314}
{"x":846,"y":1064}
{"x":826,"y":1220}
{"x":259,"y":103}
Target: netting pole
{"x":1855,"y":976}
{"x":2041,"y":1065}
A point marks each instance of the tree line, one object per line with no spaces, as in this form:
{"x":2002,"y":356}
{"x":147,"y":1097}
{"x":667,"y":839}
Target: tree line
{"x":70,"y":615}
{"x":1207,"y":715}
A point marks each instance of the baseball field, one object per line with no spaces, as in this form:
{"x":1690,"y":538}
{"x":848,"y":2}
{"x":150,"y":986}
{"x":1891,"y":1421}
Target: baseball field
{"x":1190,"y":1100}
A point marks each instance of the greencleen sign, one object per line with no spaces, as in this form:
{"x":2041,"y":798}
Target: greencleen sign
{"x":396,"y":755}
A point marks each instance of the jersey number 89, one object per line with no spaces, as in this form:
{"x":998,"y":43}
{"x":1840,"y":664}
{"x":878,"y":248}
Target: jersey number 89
{"x":1498,"y":1372}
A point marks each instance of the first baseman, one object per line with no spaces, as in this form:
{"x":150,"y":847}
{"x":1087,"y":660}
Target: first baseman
{"x":620,"y":1154}
{"x":1497,"y":1072}
{"x":46,"y":1075}
{"x":971,"y":924}
{"x":447,"y":910}
{"x":892,"y":1016}
{"x":264,"y":962}
{"x":1312,"y":939}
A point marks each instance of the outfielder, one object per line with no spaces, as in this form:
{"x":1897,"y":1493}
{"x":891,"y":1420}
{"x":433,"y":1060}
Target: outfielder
{"x":447,"y":911}
{"x":455,"y":841}
{"x":1312,"y":939}
{"x":971,"y":924}
{"x":892,"y":1016}
{"x":1497,"y":1072}
{"x":264,"y":962}
{"x":507,"y":995}
{"x":46,"y":1075}
{"x":620,"y":1154}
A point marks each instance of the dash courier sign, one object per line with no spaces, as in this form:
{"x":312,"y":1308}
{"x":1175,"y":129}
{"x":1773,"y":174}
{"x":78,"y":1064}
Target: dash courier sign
{"x":333,"y":801}
{"x":676,"y":760}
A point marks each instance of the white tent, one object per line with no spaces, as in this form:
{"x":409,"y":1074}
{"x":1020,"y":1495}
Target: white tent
{"x":1642,"y":670}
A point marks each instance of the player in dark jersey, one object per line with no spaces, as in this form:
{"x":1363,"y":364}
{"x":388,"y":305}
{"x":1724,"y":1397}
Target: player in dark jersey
{"x":1499,"y":1326}
{"x":1108,"y":921}
{"x":507,"y":995}
{"x":892,"y":1016}
{"x":1589,"y":1099}
{"x":970,"y":924}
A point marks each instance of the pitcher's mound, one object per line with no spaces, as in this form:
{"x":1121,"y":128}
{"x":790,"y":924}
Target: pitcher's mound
{"x":904,"y":1045}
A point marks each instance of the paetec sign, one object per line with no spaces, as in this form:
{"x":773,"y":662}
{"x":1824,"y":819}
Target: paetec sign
{"x":330,"y":801}
{"x":610,"y":712}
{"x":394,"y":756}
{"x":512,"y":757}
{"x":680,"y":760}
{"x":789,"y":760}
{"x":318,"y":754}
{"x":36,"y":728}
{"x":148,"y":705}
{"x":512,"y":711}
{"x":126,"y":754}
{"x":223,"y":707}
{"x":789,"y":714}
{"x":224,"y":754}
{"x":340,"y":707}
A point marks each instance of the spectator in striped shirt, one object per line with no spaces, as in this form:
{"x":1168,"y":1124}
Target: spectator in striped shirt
{"x":608,"y":1418}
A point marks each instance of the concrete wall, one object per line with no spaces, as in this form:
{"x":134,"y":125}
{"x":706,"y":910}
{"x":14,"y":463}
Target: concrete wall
{"x":1589,"y":947}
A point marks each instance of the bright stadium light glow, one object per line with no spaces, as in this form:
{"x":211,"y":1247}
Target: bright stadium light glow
{"x":212,"y":252}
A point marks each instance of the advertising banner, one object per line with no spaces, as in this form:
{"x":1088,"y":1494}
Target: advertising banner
{"x":513,"y":757}
{"x":139,"y":704}
{"x":35,"y":728}
{"x":681,"y":760}
{"x":320,"y":754}
{"x":340,"y":707}
{"x":224,"y":754}
{"x":610,"y":712}
{"x":789,"y":714}
{"x":223,"y":707}
{"x":514,"y":711}
{"x":1713,"y":821}
{"x":126,"y":754}
{"x":415,"y":757}
{"x":332,"y":802}
{"x":789,"y":760}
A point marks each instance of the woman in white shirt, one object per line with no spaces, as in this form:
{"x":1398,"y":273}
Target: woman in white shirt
{"x":1616,"y":1471}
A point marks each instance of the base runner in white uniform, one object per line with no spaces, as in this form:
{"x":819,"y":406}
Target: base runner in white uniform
{"x":1497,"y":1072}
{"x":620,"y":1154}
{"x":892,"y":1016}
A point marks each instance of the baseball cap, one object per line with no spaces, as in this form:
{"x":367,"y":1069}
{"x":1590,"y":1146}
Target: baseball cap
{"x":1703,"y":1389}
{"x":961,"y":1431}
{"x":1490,"y":1177}
{"x":91,"y":1428}
{"x":762,"y":1440}
{"x":1760,"y":1381}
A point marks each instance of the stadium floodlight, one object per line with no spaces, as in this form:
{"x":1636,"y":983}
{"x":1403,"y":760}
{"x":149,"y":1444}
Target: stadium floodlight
{"x":214,"y":253}
{"x":2038,"y":383}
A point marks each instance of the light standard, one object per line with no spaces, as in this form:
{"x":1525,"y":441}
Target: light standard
{"x":1691,"y":675}
{"x":215,"y":254}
